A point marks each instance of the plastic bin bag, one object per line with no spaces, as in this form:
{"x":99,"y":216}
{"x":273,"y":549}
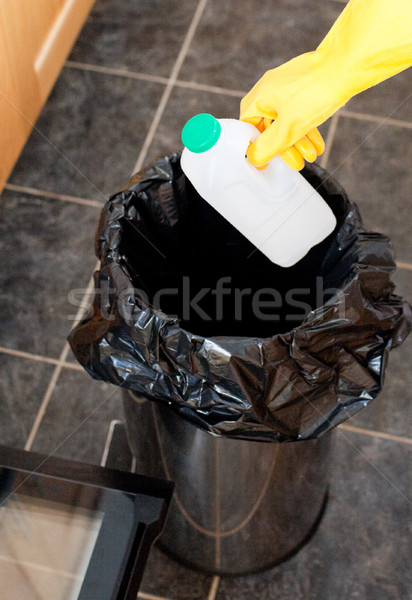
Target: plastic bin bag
{"x":187,"y":312}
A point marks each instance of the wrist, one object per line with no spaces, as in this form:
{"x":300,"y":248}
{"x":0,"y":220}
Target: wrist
{"x":333,"y":76}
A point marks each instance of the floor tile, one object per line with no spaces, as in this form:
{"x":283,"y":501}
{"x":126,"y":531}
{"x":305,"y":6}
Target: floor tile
{"x":372,"y":163}
{"x":362,"y":547}
{"x":391,"y":411}
{"x":78,"y":417}
{"x":182,"y":105}
{"x":23,"y":384}
{"x":390,"y":99}
{"x":135,"y":35}
{"x":237,"y":41}
{"x":167,"y":578}
{"x":47,"y":250}
{"x":89,"y":134}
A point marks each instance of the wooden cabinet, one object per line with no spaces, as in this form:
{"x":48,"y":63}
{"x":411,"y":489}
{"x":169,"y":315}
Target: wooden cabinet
{"x":35,"y":39}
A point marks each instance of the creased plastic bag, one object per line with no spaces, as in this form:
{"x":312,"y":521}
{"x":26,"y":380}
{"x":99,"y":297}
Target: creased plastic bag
{"x":187,"y":312}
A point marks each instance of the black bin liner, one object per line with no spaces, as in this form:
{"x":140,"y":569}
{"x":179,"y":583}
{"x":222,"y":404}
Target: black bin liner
{"x":189,"y":313}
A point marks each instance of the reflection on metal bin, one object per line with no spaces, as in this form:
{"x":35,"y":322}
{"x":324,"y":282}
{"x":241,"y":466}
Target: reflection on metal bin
{"x":238,"y":506}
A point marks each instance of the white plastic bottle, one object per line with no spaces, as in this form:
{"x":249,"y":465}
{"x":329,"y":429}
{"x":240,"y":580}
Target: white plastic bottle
{"x":275,"y":208}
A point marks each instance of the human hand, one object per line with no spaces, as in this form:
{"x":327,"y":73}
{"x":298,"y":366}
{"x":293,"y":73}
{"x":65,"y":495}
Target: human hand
{"x":286,"y":106}
{"x":369,"y":42}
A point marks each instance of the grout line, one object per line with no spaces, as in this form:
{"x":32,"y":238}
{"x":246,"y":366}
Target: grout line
{"x":377,"y":434}
{"x":56,"y":374}
{"x":329,"y":140}
{"x":404,"y":265}
{"x":213,"y":89}
{"x":213,"y":588}
{"x":170,"y":84}
{"x":29,"y":355}
{"x":45,"y":401}
{"x":40,"y":358}
{"x":35,"y":128}
{"x":193,"y":85}
{"x":145,"y":596}
{"x":116,"y":72}
{"x":55,"y":196}
{"x":153,"y":127}
{"x":375,"y":119}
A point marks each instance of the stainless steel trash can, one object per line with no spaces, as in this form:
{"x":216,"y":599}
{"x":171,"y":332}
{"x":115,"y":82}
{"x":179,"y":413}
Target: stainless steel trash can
{"x":239,"y":506}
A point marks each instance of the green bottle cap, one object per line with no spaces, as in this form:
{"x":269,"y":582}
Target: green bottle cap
{"x":201,"y":133}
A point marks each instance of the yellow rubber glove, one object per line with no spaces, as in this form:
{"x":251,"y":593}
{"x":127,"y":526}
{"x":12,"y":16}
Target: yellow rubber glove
{"x":370,"y":42}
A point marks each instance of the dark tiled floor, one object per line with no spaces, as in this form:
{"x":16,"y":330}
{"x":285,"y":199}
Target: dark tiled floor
{"x":360,"y":549}
{"x":23,"y":384}
{"x":182,"y":105}
{"x":91,"y":132}
{"x":166,"y":578}
{"x":52,"y":255}
{"x":88,"y":135}
{"x":79,"y":404}
{"x":390,"y":99}
{"x":372,"y":162}
{"x":135,"y":35}
{"x":248,"y":38}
